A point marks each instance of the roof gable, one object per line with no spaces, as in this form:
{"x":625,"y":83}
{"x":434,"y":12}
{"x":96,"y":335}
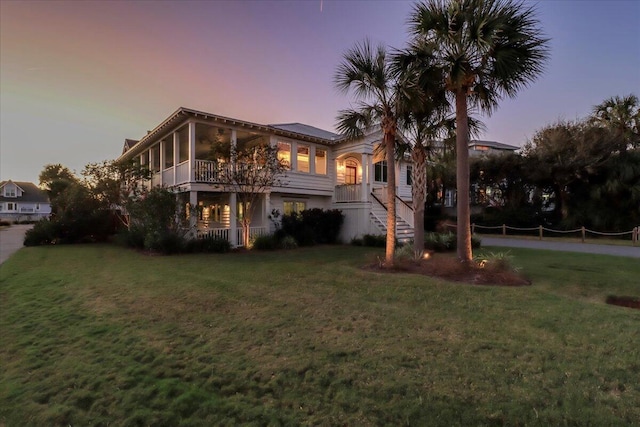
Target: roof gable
{"x":30,"y":193}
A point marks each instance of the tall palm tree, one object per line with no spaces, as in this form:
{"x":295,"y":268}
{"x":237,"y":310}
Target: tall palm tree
{"x":381,"y":94}
{"x":487,"y":49}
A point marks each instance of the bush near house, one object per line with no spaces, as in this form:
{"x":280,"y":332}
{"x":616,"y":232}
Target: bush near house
{"x":445,"y":242}
{"x":311,"y":226}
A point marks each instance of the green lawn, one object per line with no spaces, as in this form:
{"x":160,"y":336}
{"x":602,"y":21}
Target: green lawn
{"x":99,"y":335}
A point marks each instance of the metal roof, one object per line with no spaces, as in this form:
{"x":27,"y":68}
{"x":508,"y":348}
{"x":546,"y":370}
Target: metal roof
{"x":493,"y":144}
{"x":303,"y":129}
{"x":292,"y":130}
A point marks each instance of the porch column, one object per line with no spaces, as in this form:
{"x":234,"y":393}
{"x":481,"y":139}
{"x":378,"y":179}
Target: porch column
{"x":312,"y":159}
{"x":192,"y":151}
{"x":176,"y":157}
{"x":161,"y":145}
{"x":365,"y":177}
{"x":267,"y":212}
{"x":332,"y":168}
{"x":233,"y":219}
{"x":234,"y":147}
{"x":193,"y":213}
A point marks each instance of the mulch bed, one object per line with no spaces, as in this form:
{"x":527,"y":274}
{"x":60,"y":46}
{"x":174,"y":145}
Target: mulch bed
{"x":448,"y":267}
{"x":630,"y":302}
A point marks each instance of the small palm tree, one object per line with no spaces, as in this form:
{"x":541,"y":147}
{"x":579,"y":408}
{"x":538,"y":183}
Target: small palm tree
{"x":381,"y":94}
{"x":487,"y":49}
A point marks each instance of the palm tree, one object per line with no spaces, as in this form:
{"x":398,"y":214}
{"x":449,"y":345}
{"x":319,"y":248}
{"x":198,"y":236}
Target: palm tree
{"x":487,"y":49}
{"x":381,"y":94}
{"x":621,"y":115}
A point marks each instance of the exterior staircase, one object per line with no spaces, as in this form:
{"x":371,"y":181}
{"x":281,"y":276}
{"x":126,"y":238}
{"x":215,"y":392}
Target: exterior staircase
{"x":378,"y":216}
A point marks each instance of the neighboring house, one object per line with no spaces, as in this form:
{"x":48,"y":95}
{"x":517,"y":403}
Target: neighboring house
{"x":479,"y":148}
{"x":325,"y":171}
{"x":23,"y":201}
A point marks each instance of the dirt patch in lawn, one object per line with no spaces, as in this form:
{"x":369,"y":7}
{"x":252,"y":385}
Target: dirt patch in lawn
{"x":630,"y":302}
{"x":448,"y":267}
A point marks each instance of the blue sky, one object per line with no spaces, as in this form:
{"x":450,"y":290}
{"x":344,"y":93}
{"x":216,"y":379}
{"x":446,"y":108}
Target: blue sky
{"x":77,"y":78}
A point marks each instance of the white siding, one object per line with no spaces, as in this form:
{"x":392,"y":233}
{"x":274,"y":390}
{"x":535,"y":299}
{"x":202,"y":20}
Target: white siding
{"x":356,"y":221}
{"x":404,"y":190}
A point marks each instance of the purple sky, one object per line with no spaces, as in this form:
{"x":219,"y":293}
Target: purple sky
{"x":77,"y":78}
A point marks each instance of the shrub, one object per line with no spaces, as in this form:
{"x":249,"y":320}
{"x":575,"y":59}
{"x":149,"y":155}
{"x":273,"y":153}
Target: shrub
{"x":288,"y":242}
{"x":165,"y":242}
{"x":215,"y":244}
{"x":4,"y":223}
{"x":324,"y":225}
{"x":207,"y":244}
{"x":496,"y":261}
{"x":311,"y":226}
{"x":357,"y":241}
{"x":406,"y":252}
{"x":43,"y":233}
{"x":444,"y":242}
{"x":267,"y":242}
{"x":375,"y":240}
{"x":132,"y":237}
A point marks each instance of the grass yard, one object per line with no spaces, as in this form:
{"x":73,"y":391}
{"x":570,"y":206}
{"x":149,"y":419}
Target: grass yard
{"x":99,"y":335}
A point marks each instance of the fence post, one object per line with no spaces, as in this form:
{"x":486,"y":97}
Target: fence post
{"x":540,"y":232}
{"x":583,"y":233}
{"x":504,"y":229}
{"x":634,"y":236}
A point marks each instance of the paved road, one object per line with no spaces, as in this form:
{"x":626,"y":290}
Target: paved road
{"x":590,"y":248}
{"x":11,"y":239}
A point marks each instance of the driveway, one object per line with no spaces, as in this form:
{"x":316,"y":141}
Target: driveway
{"x":590,"y":248}
{"x":11,"y":239}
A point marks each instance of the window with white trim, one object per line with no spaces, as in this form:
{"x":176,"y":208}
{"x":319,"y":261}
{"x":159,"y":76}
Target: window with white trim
{"x":380,"y":171}
{"x":284,"y":154}
{"x":9,"y":192}
{"x":321,"y":162}
{"x":294,"y":207}
{"x":303,"y":158}
{"x":12,"y":206}
{"x":409,"y":173}
{"x":155,"y":158}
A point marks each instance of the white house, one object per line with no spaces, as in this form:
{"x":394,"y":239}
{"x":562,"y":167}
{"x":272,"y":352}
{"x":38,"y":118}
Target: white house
{"x":325,"y":171}
{"x":23,"y":201}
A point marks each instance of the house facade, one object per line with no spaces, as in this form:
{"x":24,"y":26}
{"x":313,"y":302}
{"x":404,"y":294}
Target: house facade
{"x":187,"y":151}
{"x":23,"y":201}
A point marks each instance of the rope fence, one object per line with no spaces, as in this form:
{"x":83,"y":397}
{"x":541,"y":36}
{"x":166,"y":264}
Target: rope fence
{"x":635,"y":233}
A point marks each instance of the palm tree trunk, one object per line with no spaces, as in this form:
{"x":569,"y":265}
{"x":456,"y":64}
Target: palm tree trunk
{"x":462,"y":177}
{"x":418,"y":194}
{"x":389,"y":143}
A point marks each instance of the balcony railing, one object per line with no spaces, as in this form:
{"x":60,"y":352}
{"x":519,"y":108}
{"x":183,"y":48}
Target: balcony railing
{"x":225,"y":233}
{"x":348,"y":193}
{"x":207,"y":171}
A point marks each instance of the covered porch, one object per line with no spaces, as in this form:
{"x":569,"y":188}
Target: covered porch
{"x":220,"y":214}
{"x":197,"y":152}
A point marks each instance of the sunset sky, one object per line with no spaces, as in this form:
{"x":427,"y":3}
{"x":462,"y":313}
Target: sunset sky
{"x":79,"y":77}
